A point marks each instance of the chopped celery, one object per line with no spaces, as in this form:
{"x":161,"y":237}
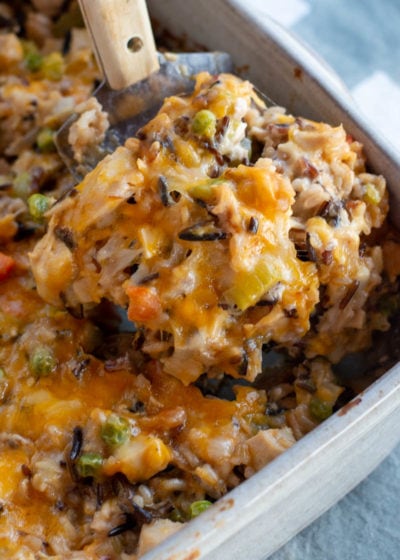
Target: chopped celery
{"x":249,"y":286}
{"x":205,"y":191}
{"x":198,"y":507}
{"x":246,"y":290}
{"x":372,"y":195}
{"x":115,"y":430}
{"x":89,"y":464}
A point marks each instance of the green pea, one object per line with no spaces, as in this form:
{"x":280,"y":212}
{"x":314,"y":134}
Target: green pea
{"x":115,"y":430}
{"x":320,"y":409}
{"x":33,"y":61}
{"x":45,"y":140}
{"x":38,"y":205}
{"x":198,"y":507}
{"x":89,"y":464}
{"x":204,"y":123}
{"x":32,"y":58}
{"x":53,"y":67}
{"x":42,"y":361}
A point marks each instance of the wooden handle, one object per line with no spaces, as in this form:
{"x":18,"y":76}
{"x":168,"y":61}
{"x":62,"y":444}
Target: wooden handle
{"x":122,"y":38}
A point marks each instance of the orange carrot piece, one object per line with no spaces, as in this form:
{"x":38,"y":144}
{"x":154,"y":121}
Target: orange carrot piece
{"x":7,"y":263}
{"x":144,"y":304}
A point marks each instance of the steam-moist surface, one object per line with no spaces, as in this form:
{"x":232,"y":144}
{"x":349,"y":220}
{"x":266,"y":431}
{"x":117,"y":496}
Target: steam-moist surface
{"x":224,"y":226}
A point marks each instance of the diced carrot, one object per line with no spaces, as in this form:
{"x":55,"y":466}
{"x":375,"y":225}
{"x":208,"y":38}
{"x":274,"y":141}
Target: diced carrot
{"x":7,"y":263}
{"x":144,"y":304}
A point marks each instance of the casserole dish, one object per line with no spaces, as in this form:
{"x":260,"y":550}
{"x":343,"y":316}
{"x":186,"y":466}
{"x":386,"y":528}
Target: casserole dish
{"x":111,"y":435}
{"x":263,"y":513}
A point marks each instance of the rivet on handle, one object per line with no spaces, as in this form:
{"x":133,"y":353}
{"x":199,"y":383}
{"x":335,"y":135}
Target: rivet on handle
{"x":135,"y":44}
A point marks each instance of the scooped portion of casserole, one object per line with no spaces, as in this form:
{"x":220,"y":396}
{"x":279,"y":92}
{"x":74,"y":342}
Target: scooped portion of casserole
{"x":225,"y":225}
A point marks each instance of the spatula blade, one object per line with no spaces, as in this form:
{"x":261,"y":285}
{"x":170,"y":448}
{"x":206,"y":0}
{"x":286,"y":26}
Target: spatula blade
{"x":129,"y":109}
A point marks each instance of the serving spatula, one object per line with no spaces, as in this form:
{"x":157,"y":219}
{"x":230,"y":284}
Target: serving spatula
{"x":137,"y":77}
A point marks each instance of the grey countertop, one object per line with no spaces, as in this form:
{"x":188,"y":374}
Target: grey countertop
{"x":360,"y":40}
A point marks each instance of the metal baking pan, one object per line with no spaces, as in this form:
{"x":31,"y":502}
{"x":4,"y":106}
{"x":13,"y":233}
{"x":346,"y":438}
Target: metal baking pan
{"x":264,"y":512}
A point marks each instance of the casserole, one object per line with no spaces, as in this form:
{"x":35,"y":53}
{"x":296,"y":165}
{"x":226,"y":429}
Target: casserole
{"x":112,"y":444}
